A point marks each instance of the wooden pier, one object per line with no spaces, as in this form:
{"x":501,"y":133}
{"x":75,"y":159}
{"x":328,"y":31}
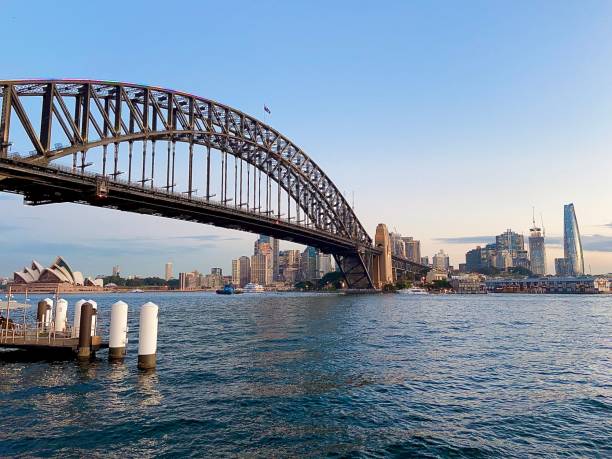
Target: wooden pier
{"x":34,"y":340}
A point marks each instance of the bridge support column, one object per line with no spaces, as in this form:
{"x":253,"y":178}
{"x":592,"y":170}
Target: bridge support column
{"x":355,"y":270}
{"x":382,"y":268}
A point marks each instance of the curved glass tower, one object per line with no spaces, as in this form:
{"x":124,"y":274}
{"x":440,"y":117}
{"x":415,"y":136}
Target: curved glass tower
{"x":572,"y":245}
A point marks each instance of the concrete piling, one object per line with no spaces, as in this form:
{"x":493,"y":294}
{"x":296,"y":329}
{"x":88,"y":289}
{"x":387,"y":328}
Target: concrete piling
{"x":49,"y":314}
{"x":84,"y":349}
{"x":41,"y":312}
{"x":77,"y":318}
{"x":94,"y":319}
{"x":147,"y":336}
{"x":118,"y":331}
{"x":61,"y":310}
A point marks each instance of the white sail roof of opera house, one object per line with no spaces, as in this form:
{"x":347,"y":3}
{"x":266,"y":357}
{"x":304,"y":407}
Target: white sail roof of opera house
{"x":59,"y":271}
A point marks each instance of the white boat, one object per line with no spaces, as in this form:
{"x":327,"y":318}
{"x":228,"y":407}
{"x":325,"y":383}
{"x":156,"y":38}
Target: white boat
{"x":413,"y":291}
{"x":137,"y":290}
{"x":253,"y":288}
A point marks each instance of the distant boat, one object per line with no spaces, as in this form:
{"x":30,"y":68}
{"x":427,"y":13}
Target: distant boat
{"x":413,"y":291}
{"x":228,"y":289}
{"x":137,"y":290}
{"x":253,"y":288}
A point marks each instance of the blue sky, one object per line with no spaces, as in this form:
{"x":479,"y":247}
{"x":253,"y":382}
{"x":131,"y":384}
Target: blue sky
{"x":447,"y":120}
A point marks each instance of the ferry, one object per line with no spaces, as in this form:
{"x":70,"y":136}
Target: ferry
{"x":414,"y":291}
{"x":253,"y":288}
{"x":228,"y":289}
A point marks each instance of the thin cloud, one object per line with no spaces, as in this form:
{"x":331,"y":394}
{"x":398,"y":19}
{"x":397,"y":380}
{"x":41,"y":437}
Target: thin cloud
{"x":466,"y":240}
{"x":597,"y":243}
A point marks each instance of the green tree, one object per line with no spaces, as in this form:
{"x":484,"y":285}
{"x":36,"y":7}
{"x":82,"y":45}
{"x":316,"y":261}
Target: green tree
{"x":331,"y":280}
{"x":304,"y":286}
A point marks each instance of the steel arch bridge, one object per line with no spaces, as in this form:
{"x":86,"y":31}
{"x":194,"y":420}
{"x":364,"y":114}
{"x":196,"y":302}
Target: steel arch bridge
{"x":98,"y":143}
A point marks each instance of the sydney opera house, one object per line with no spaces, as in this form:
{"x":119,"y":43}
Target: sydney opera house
{"x":58,"y":275}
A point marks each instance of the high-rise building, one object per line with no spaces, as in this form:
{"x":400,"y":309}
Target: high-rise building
{"x":269,"y":244}
{"x":473,"y":260}
{"x":425,"y":261}
{"x":441,"y":261}
{"x":397,"y":245}
{"x":288,"y":265}
{"x":324,"y":264}
{"x":261,"y":269}
{"x":168,"y":271}
{"x":189,"y":281}
{"x":116,"y":271}
{"x":241,"y":271}
{"x":510,"y":241}
{"x":537,"y":250}
{"x":412,"y":249}
{"x":572,"y":244}
{"x":308,"y":264}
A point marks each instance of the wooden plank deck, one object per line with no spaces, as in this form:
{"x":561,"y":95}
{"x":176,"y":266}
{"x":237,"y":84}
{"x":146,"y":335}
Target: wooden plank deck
{"x":43,"y":343}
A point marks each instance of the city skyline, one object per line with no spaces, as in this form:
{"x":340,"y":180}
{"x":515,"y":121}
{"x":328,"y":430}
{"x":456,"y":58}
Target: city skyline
{"x":542,"y":100}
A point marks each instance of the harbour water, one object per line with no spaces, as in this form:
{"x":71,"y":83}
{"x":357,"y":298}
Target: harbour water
{"x":277,"y":375}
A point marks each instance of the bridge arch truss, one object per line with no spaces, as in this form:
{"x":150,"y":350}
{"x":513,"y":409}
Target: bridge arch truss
{"x":92,"y":122}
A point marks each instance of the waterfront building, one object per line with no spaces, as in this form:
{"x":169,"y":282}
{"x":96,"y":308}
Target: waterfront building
{"x":262,"y":269}
{"x":441,"y":261}
{"x":537,"y":250}
{"x":168,"y":271}
{"x":436,"y":274}
{"x":241,"y":271}
{"x":58,"y":275}
{"x":572,"y":244}
{"x":468,"y":283}
{"x":564,"y":284}
{"x":189,"y":281}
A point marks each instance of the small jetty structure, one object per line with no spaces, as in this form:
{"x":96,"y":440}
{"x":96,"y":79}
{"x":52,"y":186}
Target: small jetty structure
{"x":50,"y":332}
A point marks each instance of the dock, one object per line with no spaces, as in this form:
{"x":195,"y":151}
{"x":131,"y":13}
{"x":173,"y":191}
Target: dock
{"x":37,"y":340}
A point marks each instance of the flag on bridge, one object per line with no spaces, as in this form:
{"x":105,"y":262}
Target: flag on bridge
{"x":267,"y":110}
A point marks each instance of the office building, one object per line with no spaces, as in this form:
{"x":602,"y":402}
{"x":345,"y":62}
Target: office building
{"x":241,"y":271}
{"x":397,"y":245}
{"x":168,"y":271}
{"x":537,"y":250}
{"x":412,"y":249}
{"x":441,"y":261}
{"x":262,"y":269}
{"x":572,"y":244}
{"x":267,"y":244}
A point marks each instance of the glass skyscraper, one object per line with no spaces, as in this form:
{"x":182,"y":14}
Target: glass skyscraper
{"x":572,"y":245}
